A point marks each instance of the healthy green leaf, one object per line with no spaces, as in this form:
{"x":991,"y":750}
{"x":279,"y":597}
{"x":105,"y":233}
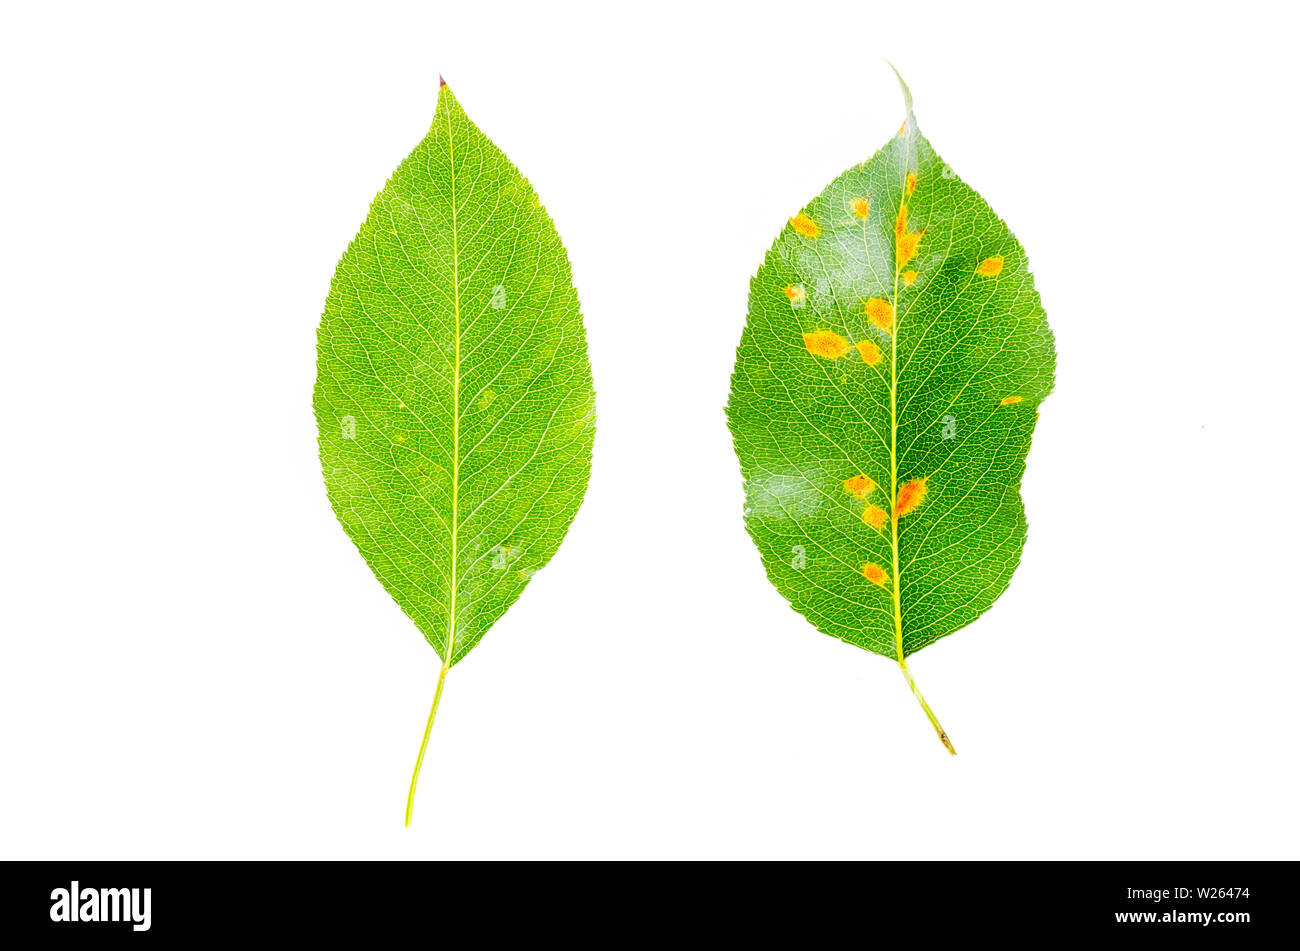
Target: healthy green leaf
{"x":885,"y":393}
{"x":453,"y":394}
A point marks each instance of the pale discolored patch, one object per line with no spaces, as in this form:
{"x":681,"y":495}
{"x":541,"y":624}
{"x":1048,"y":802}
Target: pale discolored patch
{"x":784,"y":495}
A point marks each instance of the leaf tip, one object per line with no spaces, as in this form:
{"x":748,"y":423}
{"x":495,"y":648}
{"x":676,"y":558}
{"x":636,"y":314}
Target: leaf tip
{"x":442,"y":82}
{"x":907,"y":93}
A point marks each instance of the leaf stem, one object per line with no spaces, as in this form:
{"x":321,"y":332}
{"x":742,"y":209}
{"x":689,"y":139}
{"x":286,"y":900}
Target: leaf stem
{"x":419,"y":760}
{"x":916,"y":692}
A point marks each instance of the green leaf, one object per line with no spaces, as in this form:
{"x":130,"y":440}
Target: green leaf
{"x":885,"y":393}
{"x":453,"y":394}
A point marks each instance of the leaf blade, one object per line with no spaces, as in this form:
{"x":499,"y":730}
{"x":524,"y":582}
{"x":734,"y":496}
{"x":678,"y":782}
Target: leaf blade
{"x":454,"y":397}
{"x":883,"y":399}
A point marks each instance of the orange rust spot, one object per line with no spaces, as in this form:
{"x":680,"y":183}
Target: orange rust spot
{"x":826,"y":344}
{"x":871,"y":354}
{"x":1008,"y":400}
{"x":875,"y":574}
{"x":911,"y":182}
{"x":796,"y":293}
{"x":905,"y":242}
{"x":907,"y":245}
{"x":990,"y":267}
{"x":861,"y":206}
{"x":910,"y":495}
{"x":875,"y":516}
{"x":805,"y":225}
{"x":880,"y":312}
{"x":909,"y":278}
{"x":902,"y":128}
{"x":859,"y":486}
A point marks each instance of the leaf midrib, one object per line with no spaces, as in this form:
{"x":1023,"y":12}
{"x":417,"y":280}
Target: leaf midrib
{"x":455,"y":406}
{"x":893,"y":416}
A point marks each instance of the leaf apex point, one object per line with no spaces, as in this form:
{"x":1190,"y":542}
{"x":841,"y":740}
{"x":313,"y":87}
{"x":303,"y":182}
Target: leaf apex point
{"x":441,"y":82}
{"x":907,"y":93}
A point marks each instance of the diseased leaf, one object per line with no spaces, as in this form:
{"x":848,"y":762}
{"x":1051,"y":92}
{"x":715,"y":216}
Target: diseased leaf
{"x":885,"y":393}
{"x":453,"y":393}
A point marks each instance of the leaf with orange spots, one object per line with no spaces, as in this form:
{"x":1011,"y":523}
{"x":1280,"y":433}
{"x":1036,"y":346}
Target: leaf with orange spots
{"x":453,"y":391}
{"x":935,"y":410}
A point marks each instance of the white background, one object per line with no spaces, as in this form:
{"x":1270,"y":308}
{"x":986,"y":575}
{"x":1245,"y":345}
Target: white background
{"x":196,"y":662}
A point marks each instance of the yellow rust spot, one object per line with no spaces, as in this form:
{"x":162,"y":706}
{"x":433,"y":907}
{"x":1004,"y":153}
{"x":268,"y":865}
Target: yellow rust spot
{"x":805,"y":225}
{"x":875,"y":516}
{"x":905,"y":242}
{"x":910,"y":495}
{"x":990,"y":267}
{"x":861,"y":206}
{"x":795,"y":293}
{"x":907,"y":245}
{"x":902,"y":128}
{"x":909,"y":277}
{"x":911,"y":182}
{"x":1008,"y":400}
{"x":880,"y":312}
{"x":859,"y":486}
{"x":826,"y":344}
{"x":875,"y":574}
{"x":871,"y":354}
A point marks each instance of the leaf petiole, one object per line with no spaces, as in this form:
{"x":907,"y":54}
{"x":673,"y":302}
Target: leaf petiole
{"x":424,"y":743}
{"x":916,"y":692}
